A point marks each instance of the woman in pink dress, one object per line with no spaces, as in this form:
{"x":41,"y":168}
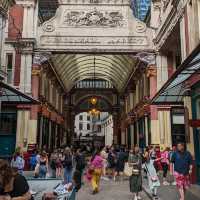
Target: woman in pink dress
{"x":96,"y":169}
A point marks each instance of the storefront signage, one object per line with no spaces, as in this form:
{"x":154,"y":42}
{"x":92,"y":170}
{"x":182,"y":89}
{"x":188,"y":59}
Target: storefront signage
{"x":94,"y":41}
{"x":194,"y":123}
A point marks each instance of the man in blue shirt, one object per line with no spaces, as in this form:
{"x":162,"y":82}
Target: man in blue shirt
{"x":182,"y":162}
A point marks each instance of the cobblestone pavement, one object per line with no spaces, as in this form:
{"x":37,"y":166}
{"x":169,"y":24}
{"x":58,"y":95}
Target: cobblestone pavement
{"x":109,"y":190}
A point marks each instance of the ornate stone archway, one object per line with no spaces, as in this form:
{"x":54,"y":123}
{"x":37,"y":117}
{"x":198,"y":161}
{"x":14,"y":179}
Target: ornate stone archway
{"x":94,"y":26}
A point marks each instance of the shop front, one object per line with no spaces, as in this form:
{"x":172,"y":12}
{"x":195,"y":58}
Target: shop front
{"x":195,"y":123}
{"x":10,"y":99}
{"x":8,"y":126}
{"x":182,"y":93}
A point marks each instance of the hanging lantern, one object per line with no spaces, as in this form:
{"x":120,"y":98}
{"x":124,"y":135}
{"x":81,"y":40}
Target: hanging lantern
{"x":94,"y":111}
{"x":93,"y":100}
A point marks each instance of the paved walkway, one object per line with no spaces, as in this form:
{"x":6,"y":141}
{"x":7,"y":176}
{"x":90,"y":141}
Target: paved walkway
{"x":115,"y":191}
{"x":171,"y":193}
{"x":109,"y":190}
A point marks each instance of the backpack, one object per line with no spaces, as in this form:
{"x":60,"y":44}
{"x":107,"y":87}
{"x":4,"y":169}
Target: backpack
{"x":33,"y":161}
{"x":111,"y":160}
{"x":68,"y":162}
{"x":80,"y":162}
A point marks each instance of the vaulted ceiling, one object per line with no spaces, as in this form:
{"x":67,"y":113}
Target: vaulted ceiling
{"x":73,"y":68}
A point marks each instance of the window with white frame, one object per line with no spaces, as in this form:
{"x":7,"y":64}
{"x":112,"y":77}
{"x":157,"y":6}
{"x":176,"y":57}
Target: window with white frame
{"x":9,"y":67}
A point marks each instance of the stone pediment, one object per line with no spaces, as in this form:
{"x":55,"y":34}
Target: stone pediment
{"x":94,"y":25}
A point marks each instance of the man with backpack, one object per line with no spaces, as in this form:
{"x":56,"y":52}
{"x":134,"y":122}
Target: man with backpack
{"x":80,"y":163}
{"x":68,"y":166}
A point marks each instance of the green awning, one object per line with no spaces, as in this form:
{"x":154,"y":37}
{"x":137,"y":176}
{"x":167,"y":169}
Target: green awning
{"x":10,"y":95}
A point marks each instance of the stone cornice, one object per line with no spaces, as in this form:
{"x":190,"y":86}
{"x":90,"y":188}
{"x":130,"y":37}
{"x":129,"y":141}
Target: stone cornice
{"x":24,"y":45}
{"x":26,"y":3}
{"x":170,"y":22}
{"x":95,"y":2}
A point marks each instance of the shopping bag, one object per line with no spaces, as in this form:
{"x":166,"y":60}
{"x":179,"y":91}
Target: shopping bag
{"x":128,"y":171}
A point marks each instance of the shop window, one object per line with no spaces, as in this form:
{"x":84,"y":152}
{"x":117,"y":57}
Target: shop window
{"x":88,"y":118}
{"x":81,"y":117}
{"x":99,"y":128}
{"x":178,"y":125}
{"x":80,"y":126}
{"x":8,"y":123}
{"x":9,"y":67}
{"x":88,"y":127}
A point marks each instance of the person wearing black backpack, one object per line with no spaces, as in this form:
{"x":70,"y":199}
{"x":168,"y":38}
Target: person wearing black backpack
{"x":80,"y":161}
{"x":68,"y":166}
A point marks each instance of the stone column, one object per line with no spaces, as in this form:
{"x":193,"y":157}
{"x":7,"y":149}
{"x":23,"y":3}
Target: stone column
{"x":164,"y":127}
{"x":188,"y":105}
{"x":41,"y":132}
{"x":132,"y":135}
{"x":162,"y":70}
{"x":115,"y":128}
{"x":146,"y":131}
{"x":151,"y":73}
{"x":137,"y":132}
{"x":29,"y":32}
{"x":183,"y":39}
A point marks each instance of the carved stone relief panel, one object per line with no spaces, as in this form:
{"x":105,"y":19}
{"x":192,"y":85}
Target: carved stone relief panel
{"x":93,"y":18}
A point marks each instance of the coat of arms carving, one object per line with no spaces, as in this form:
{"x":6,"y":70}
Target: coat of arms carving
{"x":94,"y":18}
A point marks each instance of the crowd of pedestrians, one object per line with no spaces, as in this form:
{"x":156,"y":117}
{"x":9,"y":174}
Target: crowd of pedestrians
{"x":108,"y":163}
{"x":154,"y":163}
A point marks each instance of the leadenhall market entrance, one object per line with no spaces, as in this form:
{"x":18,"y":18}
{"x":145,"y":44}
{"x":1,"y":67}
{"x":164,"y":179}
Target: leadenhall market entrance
{"x":89,"y":41}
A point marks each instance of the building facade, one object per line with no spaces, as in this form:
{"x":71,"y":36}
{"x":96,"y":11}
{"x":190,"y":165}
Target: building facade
{"x":26,"y":125}
{"x":107,"y":128}
{"x":149,"y":104}
{"x":170,"y":110}
{"x":83,"y":125}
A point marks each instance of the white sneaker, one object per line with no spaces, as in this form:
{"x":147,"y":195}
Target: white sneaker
{"x":139,"y":198}
{"x":136,"y":198}
{"x":174,"y":183}
{"x":165,"y":183}
{"x":105,"y":178}
{"x":33,"y":192}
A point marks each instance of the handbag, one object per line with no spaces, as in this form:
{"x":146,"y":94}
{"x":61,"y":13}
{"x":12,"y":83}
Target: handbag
{"x":136,"y":172}
{"x":154,"y":178}
{"x":91,"y":169}
{"x":128,"y":171}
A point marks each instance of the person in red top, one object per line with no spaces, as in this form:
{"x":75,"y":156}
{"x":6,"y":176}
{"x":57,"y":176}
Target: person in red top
{"x":165,"y":164}
{"x":157,"y":163}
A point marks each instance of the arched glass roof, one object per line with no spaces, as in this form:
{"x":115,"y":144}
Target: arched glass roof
{"x":73,"y":68}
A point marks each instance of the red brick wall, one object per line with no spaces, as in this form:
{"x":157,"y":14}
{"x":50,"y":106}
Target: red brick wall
{"x":15,"y":26}
{"x":15,"y":29}
{"x":17,"y":69}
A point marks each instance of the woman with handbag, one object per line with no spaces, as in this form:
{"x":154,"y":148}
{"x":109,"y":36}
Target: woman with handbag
{"x":135,"y":161}
{"x":152,"y":176}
